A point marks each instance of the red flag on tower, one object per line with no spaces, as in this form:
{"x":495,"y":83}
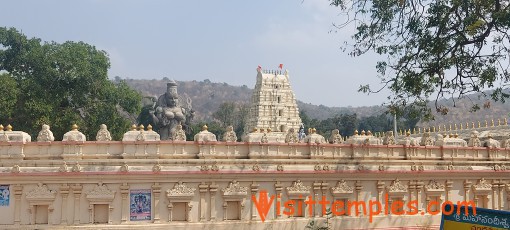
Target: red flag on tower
{"x":281,"y":66}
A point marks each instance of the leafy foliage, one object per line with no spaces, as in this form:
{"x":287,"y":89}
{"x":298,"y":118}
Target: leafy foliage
{"x":230,"y":113}
{"x":62,"y":84}
{"x":433,"y":48}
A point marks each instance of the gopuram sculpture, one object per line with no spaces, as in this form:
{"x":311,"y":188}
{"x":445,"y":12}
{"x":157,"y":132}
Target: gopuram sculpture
{"x":168,"y":113}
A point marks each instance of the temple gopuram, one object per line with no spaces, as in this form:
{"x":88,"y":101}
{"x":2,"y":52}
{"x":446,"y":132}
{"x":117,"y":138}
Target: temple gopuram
{"x":276,"y":178}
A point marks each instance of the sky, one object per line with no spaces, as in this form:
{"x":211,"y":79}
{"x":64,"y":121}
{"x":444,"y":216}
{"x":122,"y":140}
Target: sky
{"x":221,"y":40}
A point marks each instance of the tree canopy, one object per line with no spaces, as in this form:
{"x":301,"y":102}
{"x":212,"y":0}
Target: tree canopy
{"x":433,"y":48}
{"x":59,"y":85}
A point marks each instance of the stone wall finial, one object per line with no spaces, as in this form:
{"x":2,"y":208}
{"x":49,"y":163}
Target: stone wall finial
{"x":8,"y":128}
{"x":74,"y":134}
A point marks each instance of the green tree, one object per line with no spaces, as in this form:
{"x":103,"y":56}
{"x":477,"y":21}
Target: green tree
{"x":347,"y":124}
{"x":376,"y":123}
{"x":63,"y":84}
{"x":9,"y":93}
{"x":230,"y":113}
{"x":433,"y":48}
{"x":225,"y":114}
{"x":309,"y":122}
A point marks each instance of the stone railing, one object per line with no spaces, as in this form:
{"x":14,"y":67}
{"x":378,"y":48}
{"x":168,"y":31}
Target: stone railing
{"x":76,"y":150}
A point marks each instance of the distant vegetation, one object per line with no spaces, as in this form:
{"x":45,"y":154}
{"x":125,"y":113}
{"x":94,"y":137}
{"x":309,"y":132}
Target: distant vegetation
{"x":60,"y":84}
{"x":211,"y":98}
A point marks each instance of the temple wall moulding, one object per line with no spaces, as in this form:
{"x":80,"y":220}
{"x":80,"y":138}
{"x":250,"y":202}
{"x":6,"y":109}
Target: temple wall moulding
{"x":40,"y":196}
{"x":100,"y":193}
{"x":396,"y":188}
{"x":234,"y":189}
{"x":180,"y":191}
{"x":298,"y":190}
{"x":482,"y":187}
{"x":342,"y":189}
{"x":41,"y":193}
{"x":434,"y":188}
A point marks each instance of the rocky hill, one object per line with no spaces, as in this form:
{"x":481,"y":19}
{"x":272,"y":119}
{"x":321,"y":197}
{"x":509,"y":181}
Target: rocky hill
{"x":207,"y":96}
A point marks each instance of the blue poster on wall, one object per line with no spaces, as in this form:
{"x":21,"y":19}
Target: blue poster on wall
{"x":140,"y":205}
{"x":4,"y":195}
{"x":466,"y":217}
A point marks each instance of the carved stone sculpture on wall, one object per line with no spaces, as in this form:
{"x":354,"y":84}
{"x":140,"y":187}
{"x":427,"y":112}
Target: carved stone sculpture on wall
{"x":491,"y":142}
{"x":336,"y":138}
{"x":426,"y":140}
{"x":169,"y":113}
{"x":230,"y":135}
{"x":389,"y":139}
{"x":179,"y":134}
{"x":291,"y":136}
{"x":45,"y":134}
{"x":474,"y":141}
{"x":103,"y":134}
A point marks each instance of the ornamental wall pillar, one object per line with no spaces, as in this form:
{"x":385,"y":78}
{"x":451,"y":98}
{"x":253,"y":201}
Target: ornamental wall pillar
{"x":412,"y":192}
{"x":500,"y":199}
{"x":18,"y":191}
{"x":380,"y":191}
{"x":213,"y":188}
{"x":419,"y":187}
{"x":359,"y":187}
{"x":278,"y":189}
{"x":124,"y":192}
{"x":156,"y":192}
{"x":202,"y":188}
{"x":77,"y":189}
{"x":316,"y":190}
{"x":324,"y":193}
{"x":467,"y":186}
{"x":64,"y":191}
{"x":449,"y":186}
{"x":254,"y":189}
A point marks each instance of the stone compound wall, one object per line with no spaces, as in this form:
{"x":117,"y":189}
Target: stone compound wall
{"x":79,"y":183}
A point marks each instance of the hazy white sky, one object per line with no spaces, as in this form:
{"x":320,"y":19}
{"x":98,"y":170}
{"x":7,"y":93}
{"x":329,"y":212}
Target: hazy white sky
{"x":221,"y":40}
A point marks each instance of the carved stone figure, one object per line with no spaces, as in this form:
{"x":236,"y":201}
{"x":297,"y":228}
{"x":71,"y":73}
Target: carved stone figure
{"x":313,"y":137}
{"x":45,"y":134}
{"x":103,"y":134}
{"x":426,"y":140}
{"x":491,"y":142}
{"x":230,"y":135}
{"x":336,"y":138}
{"x":179,"y":134}
{"x":507,"y":143}
{"x":474,"y":141}
{"x":291,"y":137}
{"x":301,"y":133}
{"x":389,"y":139}
{"x":168,"y":113}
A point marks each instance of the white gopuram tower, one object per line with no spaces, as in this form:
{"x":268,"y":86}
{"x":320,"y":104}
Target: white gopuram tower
{"x":273,"y":110}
